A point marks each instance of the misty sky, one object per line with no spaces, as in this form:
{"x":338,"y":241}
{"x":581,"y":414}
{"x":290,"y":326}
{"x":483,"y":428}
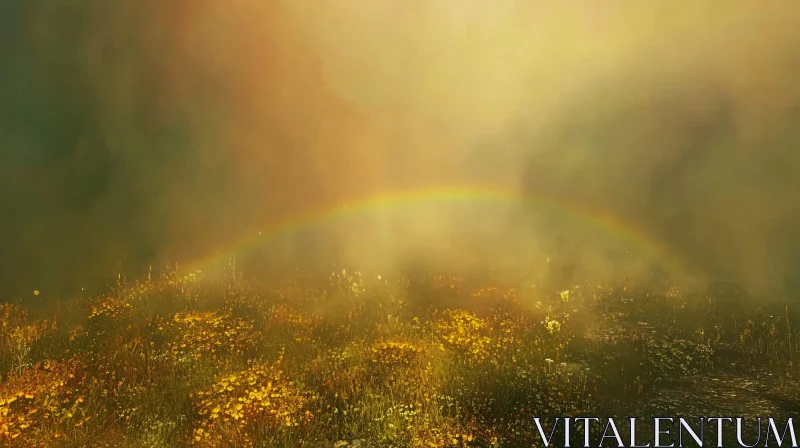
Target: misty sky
{"x":133,"y":132}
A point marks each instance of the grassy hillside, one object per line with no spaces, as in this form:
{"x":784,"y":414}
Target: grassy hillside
{"x":387,"y":360}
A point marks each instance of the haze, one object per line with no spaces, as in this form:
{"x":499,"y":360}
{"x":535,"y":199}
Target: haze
{"x":133,"y":133}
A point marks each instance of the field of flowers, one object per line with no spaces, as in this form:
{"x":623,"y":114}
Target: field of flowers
{"x":355,"y":360}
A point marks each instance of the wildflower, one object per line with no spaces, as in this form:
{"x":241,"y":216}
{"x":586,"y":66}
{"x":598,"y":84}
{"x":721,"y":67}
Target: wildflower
{"x":257,"y":395}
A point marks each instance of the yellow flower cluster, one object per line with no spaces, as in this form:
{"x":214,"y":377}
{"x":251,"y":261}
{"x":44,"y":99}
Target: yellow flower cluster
{"x":394,"y":353}
{"x":17,"y":336}
{"x":113,"y":307}
{"x":553,"y":326}
{"x":194,"y":334}
{"x":486,"y":291}
{"x":259,"y":397}
{"x":284,"y":314}
{"x":174,"y":279}
{"x":28,"y":334}
{"x":447,"y":433}
{"x":463,"y":332}
{"x":47,"y":394}
{"x":12,"y":315}
{"x":492,"y":296}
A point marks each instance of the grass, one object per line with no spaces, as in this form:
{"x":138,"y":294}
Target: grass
{"x":398,"y":361}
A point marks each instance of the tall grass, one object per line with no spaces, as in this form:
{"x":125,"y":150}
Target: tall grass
{"x":399,"y":361}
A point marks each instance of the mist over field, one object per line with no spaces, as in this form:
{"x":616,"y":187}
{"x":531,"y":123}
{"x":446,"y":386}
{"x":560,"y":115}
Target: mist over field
{"x":133,"y":133}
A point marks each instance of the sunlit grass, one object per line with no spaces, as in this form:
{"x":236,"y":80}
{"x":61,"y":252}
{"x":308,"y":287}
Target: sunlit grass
{"x":432,"y":361}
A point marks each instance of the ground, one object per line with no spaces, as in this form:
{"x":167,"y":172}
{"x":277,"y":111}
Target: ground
{"x":384,"y":360}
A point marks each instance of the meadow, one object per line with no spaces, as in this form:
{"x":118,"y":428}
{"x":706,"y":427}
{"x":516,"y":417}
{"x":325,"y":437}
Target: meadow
{"x":379,"y":360}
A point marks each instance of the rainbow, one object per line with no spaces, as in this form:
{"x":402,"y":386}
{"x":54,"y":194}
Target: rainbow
{"x":597,"y":218}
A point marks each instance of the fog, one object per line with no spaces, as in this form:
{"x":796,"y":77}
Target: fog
{"x":134,"y":133}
